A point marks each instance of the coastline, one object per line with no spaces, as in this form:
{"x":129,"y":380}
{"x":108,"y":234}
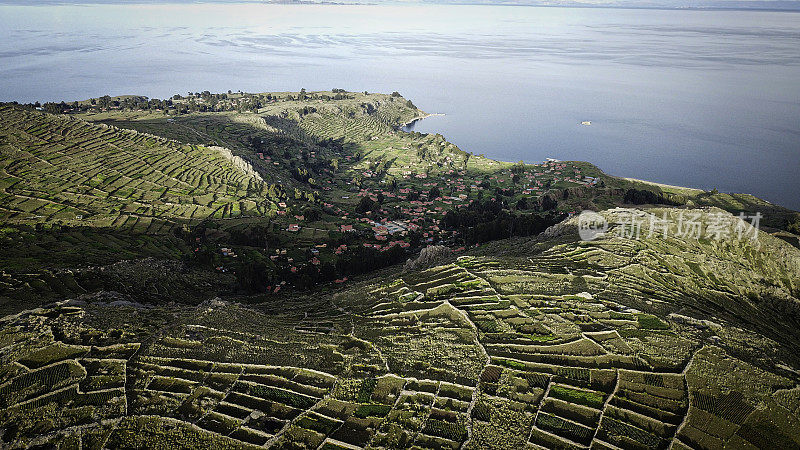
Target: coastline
{"x":424,"y":115}
{"x":666,"y":186}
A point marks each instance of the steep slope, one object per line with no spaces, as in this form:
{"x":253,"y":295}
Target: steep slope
{"x":552,"y":342}
{"x":59,"y":168}
{"x":740,"y":276}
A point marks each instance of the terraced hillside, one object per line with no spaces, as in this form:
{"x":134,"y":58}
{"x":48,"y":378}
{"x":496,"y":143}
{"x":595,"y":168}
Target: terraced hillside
{"x":354,"y":116}
{"x":364,"y":123}
{"x":180,"y":196}
{"x":550,"y":342}
{"x":359,"y":118}
{"x":58,"y":168}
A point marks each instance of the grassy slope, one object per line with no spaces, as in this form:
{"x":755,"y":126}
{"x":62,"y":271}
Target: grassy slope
{"x":495,"y":349}
{"x":77,"y":195}
{"x":58,"y":168}
{"x":373,"y":136}
{"x":679,"y":341}
{"x":775,"y":217}
{"x":131,"y":189}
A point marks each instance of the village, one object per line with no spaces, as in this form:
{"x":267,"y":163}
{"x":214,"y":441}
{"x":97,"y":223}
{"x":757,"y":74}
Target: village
{"x":334,"y":195}
{"x":405,"y":213}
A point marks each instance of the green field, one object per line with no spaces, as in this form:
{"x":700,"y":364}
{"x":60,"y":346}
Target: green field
{"x":382,"y":372}
{"x":244,"y":271}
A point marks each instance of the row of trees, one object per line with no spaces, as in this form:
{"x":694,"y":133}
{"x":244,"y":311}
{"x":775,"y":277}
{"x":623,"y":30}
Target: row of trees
{"x":484,"y":221}
{"x":192,"y":102}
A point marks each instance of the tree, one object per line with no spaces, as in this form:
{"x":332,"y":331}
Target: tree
{"x":104,"y":101}
{"x":434,"y":193}
{"x":312,"y":214}
{"x":53,"y":108}
{"x":547,"y":203}
{"x":794,"y":227}
{"x":366,"y":204}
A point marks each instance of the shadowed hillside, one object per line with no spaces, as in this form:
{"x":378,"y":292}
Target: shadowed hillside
{"x":549,"y":342}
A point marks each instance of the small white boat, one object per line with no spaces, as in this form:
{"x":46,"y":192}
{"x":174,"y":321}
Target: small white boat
{"x":586,"y":122}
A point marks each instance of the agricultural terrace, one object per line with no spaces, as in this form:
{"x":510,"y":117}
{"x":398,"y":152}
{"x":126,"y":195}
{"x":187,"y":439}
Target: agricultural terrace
{"x":58,"y":169}
{"x":558,"y":343}
{"x":278,"y":190}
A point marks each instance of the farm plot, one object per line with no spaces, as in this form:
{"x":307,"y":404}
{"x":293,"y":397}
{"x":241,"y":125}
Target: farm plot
{"x":723,"y":411}
{"x":434,"y":343}
{"x":55,"y":385}
{"x":268,"y":339}
{"x":409,"y":362}
{"x":645,"y":409}
{"x":352,"y":414}
{"x":250,"y":403}
{"x":70,"y":170}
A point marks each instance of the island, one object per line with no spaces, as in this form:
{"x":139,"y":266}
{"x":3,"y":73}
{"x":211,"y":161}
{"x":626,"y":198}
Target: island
{"x":294,"y":270}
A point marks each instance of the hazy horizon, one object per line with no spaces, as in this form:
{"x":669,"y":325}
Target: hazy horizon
{"x":766,"y":5}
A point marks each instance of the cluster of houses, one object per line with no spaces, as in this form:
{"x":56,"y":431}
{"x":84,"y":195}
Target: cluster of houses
{"x":424,"y":215}
{"x":382,"y":230}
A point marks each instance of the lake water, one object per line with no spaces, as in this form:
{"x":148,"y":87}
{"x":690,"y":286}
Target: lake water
{"x":707,"y":99}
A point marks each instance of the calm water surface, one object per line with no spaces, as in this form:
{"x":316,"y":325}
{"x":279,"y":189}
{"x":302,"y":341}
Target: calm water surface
{"x":696,"y":98}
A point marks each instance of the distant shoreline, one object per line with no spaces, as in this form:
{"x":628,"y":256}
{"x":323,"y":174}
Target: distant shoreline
{"x":418,"y":118}
{"x":760,"y":6}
